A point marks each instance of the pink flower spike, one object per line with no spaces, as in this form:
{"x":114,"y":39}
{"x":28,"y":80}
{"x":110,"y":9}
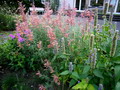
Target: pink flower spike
{"x":20,"y":39}
{"x":12,"y":36}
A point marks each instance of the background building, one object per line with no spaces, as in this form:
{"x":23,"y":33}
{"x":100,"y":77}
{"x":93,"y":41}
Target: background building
{"x":81,"y":5}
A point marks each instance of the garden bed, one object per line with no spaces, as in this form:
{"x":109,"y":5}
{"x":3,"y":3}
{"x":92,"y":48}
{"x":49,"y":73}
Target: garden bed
{"x":60,"y":53}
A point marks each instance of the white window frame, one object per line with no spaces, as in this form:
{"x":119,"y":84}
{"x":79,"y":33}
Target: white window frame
{"x":79,"y":5}
{"x":116,"y":6}
{"x":115,"y":10}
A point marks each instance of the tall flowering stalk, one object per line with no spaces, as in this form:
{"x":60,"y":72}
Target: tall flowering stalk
{"x":114,"y":44}
{"x":21,"y":9}
{"x":91,"y":44}
{"x":47,"y":64}
{"x":47,"y":15}
{"x":93,"y":52}
{"x":96,"y":18}
{"x":56,"y":79}
{"x":52,"y":38}
{"x":23,"y":32}
{"x":70,"y":66}
{"x":63,"y":44}
{"x":93,"y":58}
{"x":105,"y":8}
{"x":58,"y":20}
{"x":34,"y":19}
{"x":100,"y":87}
{"x":87,"y":14}
{"x":71,"y":13}
{"x":111,"y":14}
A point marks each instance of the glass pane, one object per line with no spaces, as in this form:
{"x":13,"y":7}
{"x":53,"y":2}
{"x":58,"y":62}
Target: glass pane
{"x":100,"y":3}
{"x":83,"y":5}
{"x":77,"y":4}
{"x":118,"y":8}
{"x":112,"y":3}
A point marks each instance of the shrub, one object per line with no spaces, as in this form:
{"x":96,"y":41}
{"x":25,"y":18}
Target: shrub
{"x":7,"y":22}
{"x":7,"y":18}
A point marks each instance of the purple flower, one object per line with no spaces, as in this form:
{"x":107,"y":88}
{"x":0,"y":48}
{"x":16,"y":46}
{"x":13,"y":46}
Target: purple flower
{"x":20,"y":39}
{"x":12,"y":36}
{"x":18,"y":34}
{"x":100,"y":87}
{"x":78,"y":81}
{"x":27,"y":31}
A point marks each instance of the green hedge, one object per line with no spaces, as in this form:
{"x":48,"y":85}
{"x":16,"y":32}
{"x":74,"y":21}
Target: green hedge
{"x":27,"y":3}
{"x":7,"y":22}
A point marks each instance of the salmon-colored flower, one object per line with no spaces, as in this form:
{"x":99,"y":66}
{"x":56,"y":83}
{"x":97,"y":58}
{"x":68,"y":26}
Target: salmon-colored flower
{"x":38,"y":73}
{"x":56,"y":79}
{"x":39,"y":45}
{"x":41,"y":87}
{"x":47,"y":63}
{"x":52,"y":38}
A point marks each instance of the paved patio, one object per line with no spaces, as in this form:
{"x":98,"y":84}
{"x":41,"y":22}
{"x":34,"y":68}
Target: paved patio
{"x":114,"y":22}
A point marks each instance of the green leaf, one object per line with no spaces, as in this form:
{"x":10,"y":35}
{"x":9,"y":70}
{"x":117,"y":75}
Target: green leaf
{"x":75,"y":75}
{"x":72,"y":82}
{"x":81,"y":85}
{"x":65,"y":73}
{"x":117,"y":72}
{"x":62,"y":56}
{"x":86,"y":69}
{"x":117,"y":87}
{"x":98,"y":73}
{"x":90,"y":87}
{"x":82,"y":76}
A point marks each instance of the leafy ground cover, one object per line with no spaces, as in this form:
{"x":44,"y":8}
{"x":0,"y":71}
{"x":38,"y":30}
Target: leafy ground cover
{"x":61,"y":53}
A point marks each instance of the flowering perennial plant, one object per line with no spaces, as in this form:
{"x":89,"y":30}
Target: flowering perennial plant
{"x":63,"y":43}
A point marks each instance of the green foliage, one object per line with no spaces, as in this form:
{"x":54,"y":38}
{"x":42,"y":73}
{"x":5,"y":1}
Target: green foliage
{"x":117,"y":87}
{"x":7,"y":22}
{"x":7,"y":18}
{"x":64,"y":73}
{"x":27,"y":3}
{"x":13,"y":82}
{"x":27,"y":81}
{"x":17,"y":58}
{"x":106,"y":70}
{"x":117,"y":72}
{"x":54,"y":5}
{"x":82,"y":85}
{"x":83,"y":49}
{"x":97,"y":73}
{"x":86,"y":69}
